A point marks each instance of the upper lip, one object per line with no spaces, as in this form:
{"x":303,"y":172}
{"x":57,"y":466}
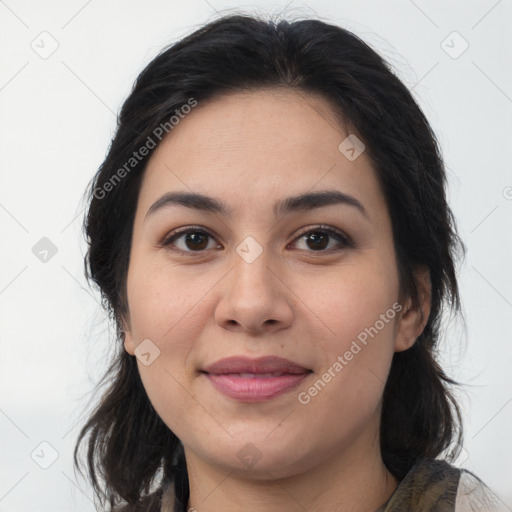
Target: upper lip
{"x":267,"y":364}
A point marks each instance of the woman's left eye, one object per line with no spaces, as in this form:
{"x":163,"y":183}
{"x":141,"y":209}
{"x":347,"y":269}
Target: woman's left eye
{"x":317,"y":240}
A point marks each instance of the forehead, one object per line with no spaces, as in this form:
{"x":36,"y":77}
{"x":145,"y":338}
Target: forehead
{"x":256,"y":146}
{"x":256,"y":123}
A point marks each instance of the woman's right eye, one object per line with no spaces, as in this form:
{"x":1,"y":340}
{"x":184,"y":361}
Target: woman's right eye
{"x":188,"y":240}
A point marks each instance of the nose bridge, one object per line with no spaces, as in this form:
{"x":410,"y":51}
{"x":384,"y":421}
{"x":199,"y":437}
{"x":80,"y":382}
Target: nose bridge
{"x":253,"y":296}
{"x":252,"y":265}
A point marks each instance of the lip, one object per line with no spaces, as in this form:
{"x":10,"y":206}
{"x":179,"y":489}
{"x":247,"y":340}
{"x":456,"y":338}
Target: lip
{"x":266,"y":364}
{"x":255,"y":380}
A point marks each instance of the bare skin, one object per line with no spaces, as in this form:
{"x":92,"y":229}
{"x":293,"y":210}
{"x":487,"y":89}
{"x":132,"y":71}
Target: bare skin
{"x":200,"y":302}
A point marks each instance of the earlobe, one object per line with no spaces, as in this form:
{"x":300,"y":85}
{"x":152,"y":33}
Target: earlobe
{"x":128,"y":342}
{"x":129,"y":346}
{"x":414,"y":318}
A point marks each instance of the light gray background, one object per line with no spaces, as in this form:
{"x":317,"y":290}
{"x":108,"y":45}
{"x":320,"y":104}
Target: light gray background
{"x":57,"y":119}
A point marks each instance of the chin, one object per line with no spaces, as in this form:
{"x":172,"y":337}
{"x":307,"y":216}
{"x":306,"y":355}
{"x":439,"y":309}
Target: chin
{"x":256,"y":457}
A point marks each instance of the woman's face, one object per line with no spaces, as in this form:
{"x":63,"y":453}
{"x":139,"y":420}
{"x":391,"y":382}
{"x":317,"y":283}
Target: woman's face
{"x":267,"y":277}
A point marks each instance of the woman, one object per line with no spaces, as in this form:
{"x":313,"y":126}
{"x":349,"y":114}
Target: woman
{"x":270,"y":233}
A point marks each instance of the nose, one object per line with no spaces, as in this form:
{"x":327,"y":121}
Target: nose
{"x":254,"y":298}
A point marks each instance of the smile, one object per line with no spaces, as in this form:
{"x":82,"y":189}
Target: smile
{"x":251,"y":387}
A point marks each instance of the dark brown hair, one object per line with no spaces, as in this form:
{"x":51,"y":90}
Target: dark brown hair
{"x":129,"y":449}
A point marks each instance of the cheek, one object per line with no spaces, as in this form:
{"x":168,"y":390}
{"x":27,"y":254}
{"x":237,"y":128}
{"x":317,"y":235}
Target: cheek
{"x":166,"y":306}
{"x":353,"y":301}
{"x":162,"y":300}
{"x":346,"y":394}
{"x":359,"y":311}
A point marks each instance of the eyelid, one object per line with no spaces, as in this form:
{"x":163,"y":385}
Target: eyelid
{"x":330,"y":230}
{"x":166,"y":241}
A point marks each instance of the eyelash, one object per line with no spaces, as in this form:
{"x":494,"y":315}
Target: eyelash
{"x":342,"y":237}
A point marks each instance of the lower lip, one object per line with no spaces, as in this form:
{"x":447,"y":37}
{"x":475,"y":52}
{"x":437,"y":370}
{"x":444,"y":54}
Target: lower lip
{"x":255,"y":389}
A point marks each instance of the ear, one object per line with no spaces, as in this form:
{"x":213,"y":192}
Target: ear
{"x":414,"y":318}
{"x":129,"y":344}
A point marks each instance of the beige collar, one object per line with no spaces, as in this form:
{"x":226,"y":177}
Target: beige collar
{"x":168,"y":499}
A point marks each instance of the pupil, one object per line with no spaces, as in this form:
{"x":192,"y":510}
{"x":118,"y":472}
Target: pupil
{"x":316,"y":239}
{"x":196,"y":238}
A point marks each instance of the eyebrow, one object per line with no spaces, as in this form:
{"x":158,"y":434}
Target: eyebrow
{"x":302,"y":202}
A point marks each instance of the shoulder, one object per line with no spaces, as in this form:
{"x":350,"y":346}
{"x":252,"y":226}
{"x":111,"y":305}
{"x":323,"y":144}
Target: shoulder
{"x":434,"y":485}
{"x":473,"y":495}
